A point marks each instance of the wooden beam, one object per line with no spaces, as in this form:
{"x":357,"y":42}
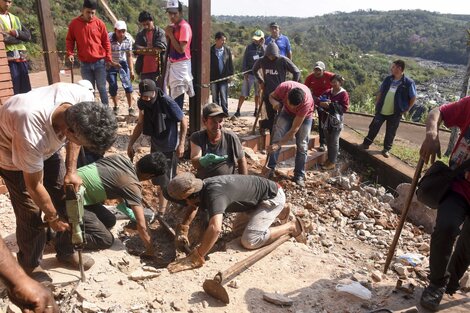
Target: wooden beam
{"x":48,"y":41}
{"x":108,"y":12}
{"x":200,"y":20}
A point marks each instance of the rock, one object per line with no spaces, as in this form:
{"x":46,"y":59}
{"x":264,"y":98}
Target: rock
{"x":345,"y":183}
{"x":400,"y":269}
{"x":104,"y":294}
{"x":90,"y":307}
{"x":326,"y":243}
{"x":361,"y":216}
{"x":377,"y":276}
{"x":250,"y":154}
{"x":418,"y":213}
{"x":277,"y":299}
{"x":234,"y":284}
{"x":465,"y":282}
{"x":141,"y":274}
{"x":370,"y":190}
{"x":175,"y":306}
{"x":387,"y":198}
{"x":424,"y":247}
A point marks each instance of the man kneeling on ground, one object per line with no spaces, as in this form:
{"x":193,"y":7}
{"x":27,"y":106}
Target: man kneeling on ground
{"x":114,"y":177}
{"x":232,"y":193}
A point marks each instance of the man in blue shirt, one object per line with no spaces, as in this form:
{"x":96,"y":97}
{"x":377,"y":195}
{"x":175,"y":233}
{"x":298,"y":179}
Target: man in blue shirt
{"x":396,"y":95}
{"x":159,"y":116}
{"x":282,"y":41}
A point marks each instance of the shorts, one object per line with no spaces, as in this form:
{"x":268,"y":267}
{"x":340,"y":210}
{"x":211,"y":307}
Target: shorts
{"x":248,"y":83}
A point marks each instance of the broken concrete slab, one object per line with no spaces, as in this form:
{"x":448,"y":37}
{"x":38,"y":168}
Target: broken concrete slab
{"x":277,"y":299}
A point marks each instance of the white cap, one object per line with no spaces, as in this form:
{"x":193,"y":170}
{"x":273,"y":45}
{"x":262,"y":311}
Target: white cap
{"x":320,"y":65}
{"x":120,"y":25}
{"x":172,"y":5}
{"x":87,"y":84}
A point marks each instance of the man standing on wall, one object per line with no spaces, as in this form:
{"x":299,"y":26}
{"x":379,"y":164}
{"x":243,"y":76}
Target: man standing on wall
{"x":397,"y":94}
{"x":14,"y":34}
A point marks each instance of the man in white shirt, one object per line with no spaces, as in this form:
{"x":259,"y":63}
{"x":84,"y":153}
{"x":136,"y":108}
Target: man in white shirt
{"x":33,"y":128}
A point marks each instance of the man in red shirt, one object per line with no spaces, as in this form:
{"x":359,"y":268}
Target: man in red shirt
{"x":94,"y":49}
{"x":294,"y":120}
{"x":319,"y":82}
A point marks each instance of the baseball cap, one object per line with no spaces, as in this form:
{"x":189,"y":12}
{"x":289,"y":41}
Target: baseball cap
{"x":183,"y":185}
{"x":120,"y":25}
{"x":274,"y":24}
{"x":87,"y":84}
{"x":258,"y":34}
{"x":320,"y":65}
{"x":147,"y":88}
{"x":172,"y":6}
{"x":213,"y":109}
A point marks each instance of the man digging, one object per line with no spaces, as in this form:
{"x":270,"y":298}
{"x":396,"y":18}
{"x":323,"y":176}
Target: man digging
{"x":263,"y":198}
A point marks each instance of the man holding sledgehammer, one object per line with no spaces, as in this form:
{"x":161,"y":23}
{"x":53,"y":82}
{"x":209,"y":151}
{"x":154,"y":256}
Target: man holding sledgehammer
{"x":261,"y":197}
{"x":447,"y":265}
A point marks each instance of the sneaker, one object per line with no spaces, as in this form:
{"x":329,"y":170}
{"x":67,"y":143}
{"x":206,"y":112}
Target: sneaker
{"x":299,"y":181}
{"x":71,"y":260}
{"x":431,"y":297}
{"x":386,"y":153}
{"x":322,"y":148}
{"x":237,"y":114}
{"x":363,"y":146}
{"x":131,"y":112}
{"x":39,"y":275}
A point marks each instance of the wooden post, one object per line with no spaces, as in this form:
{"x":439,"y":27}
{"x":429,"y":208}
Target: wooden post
{"x":200,"y":20}
{"x":48,"y":41}
{"x":108,"y":12}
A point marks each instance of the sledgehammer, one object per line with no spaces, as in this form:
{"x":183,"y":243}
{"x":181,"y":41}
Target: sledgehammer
{"x":214,"y":288}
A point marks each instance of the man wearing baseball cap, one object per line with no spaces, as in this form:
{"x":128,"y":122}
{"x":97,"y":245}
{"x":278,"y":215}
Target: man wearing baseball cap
{"x":281,"y":40}
{"x":121,"y":46}
{"x":159,"y":116}
{"x":215,"y":150}
{"x":261,"y":197}
{"x":253,"y":52}
{"x":319,"y":82}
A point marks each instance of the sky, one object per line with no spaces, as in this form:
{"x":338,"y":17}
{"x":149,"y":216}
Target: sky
{"x":307,"y":8}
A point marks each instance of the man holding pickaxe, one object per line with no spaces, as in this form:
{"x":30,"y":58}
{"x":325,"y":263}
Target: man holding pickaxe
{"x":261,"y":197}
{"x":447,"y":265}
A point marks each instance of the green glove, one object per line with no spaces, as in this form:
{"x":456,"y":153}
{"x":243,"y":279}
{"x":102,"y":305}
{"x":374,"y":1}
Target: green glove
{"x":210,"y":159}
{"x":122,"y":207}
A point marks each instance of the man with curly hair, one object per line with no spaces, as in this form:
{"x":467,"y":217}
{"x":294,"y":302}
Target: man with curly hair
{"x":33,"y":128}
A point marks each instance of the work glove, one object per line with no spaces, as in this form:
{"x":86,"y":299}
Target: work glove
{"x":194,"y":260}
{"x":210,"y":159}
{"x":181,"y":237}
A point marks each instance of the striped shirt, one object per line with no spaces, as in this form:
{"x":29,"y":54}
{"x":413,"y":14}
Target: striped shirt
{"x":118,"y":50}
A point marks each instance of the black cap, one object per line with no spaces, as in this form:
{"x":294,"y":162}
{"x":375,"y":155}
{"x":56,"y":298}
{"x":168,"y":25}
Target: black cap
{"x":213,"y":109}
{"x":147,"y":88}
{"x":274,"y":24}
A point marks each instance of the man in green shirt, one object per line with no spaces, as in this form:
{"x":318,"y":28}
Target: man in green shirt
{"x":114,"y":177}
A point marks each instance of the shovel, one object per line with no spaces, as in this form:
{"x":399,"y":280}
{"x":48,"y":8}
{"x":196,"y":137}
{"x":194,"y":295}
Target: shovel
{"x":214,"y":288}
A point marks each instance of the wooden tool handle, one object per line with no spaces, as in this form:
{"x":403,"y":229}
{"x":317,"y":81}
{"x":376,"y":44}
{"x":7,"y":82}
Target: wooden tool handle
{"x":239,"y":267}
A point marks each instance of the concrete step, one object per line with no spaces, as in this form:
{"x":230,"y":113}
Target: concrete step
{"x":314,"y":159}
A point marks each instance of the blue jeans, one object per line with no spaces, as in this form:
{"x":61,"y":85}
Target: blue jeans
{"x":96,"y":73}
{"x":220,"y":94}
{"x":111,"y":77}
{"x":282,"y":126}
{"x":19,"y":77}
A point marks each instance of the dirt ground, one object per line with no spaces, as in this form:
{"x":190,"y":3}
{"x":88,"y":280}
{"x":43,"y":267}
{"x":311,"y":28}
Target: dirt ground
{"x":337,"y":252}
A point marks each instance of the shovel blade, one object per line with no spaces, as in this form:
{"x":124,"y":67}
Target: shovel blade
{"x":214,"y":289}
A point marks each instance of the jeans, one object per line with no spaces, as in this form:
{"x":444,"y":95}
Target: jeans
{"x":180,"y":101}
{"x":393,"y":121}
{"x":220,"y":94}
{"x":124,"y":75}
{"x":19,"y":77}
{"x":332,"y":141}
{"x":96,"y":73}
{"x":447,"y":268}
{"x":282,"y":126}
{"x":30,"y":232}
{"x":321,"y":130}
{"x":97,"y":220}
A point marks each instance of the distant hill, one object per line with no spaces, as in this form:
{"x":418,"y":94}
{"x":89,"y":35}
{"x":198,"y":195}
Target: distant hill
{"x":435,"y":36}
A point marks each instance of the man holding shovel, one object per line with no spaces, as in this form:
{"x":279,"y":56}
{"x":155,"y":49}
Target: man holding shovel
{"x":447,"y":265}
{"x":261,"y":197}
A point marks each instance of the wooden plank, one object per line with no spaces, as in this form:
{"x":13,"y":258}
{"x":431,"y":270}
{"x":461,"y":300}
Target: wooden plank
{"x":2,"y":45}
{"x":6,"y":92}
{"x":5,"y":77}
{"x":4,"y":69}
{"x":3,"y":61}
{"x":48,"y":41}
